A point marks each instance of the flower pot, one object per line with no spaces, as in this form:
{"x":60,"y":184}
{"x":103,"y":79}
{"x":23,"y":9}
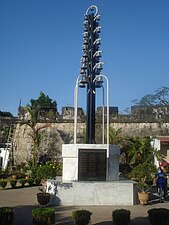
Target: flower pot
{"x":43,"y":198}
{"x":143,"y":197}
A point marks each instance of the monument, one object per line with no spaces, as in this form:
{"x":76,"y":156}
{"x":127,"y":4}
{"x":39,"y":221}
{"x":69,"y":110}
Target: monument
{"x":91,"y":170}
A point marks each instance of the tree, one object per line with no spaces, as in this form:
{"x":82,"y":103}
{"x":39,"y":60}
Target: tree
{"x":45,"y":107}
{"x":43,"y":101}
{"x":160,"y":97}
{"x":35,"y":134}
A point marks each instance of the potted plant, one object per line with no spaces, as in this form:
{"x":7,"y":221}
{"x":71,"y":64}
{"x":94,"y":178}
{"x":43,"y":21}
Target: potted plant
{"x":30,"y":181}
{"x":43,"y":216}
{"x":13,"y":183}
{"x":44,"y":172}
{"x":3,"y":183}
{"x":143,"y":169}
{"x":121,"y":216}
{"x":6,"y":216}
{"x":22,"y":181}
{"x":81,"y":217}
{"x":158,"y":216}
{"x":144,"y":175}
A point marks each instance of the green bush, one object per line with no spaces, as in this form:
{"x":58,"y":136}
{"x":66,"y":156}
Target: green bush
{"x":158,"y":216}
{"x":3,"y":183}
{"x":6,"y":216}
{"x":13,"y":183}
{"x":46,"y":171}
{"x":43,"y":216}
{"x":121,"y":216}
{"x":30,"y":181}
{"x":37,"y":181}
{"x":22,"y":182}
{"x":81,"y":217}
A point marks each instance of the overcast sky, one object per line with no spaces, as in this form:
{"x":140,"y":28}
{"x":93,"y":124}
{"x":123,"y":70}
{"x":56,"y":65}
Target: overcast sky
{"x":41,"y":46}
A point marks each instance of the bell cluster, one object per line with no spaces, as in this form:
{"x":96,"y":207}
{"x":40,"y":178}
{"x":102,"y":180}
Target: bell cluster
{"x":90,"y":61}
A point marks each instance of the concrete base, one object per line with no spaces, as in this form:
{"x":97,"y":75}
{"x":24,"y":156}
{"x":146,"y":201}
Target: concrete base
{"x":92,"y":193}
{"x":70,"y":154}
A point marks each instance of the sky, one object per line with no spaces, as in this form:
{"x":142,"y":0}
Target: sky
{"x":41,"y":47}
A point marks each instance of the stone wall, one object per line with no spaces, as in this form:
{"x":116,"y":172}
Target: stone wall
{"x":53,"y":137}
{"x":155,"y":122}
{"x":59,"y":133}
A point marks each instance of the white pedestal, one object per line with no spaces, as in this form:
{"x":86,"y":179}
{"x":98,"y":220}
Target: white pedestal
{"x":71,"y":191}
{"x":70,"y":154}
{"x":92,"y":193}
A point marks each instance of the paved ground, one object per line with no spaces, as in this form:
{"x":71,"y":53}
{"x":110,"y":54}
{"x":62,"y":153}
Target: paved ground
{"x":23,"y":200}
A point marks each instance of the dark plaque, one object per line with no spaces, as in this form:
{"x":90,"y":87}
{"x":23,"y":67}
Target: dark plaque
{"x":92,"y":165}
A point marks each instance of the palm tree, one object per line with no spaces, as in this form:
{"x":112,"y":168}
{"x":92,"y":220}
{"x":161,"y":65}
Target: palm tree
{"x":36,"y":133}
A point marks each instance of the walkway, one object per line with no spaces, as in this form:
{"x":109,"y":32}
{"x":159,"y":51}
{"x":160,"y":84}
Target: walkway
{"x":23,"y":200}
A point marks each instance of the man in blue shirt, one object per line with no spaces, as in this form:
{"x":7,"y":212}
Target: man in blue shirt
{"x":161,"y":181}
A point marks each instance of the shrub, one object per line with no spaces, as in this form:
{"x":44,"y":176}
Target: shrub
{"x":43,"y":216}
{"x":3,"y":183}
{"x":6,"y":216}
{"x":13,"y":183}
{"x":22,"y":182}
{"x":30,"y":181}
{"x":121,"y":216}
{"x":46,"y":171}
{"x":158,"y":216}
{"x":37,"y":181}
{"x":81,"y":217}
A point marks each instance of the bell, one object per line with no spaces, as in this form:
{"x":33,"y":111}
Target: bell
{"x":85,"y":42}
{"x":82,"y":71}
{"x":81,"y":85}
{"x":84,"y":66}
{"x":85,"y":34}
{"x":99,"y":79}
{"x":84,"y":79}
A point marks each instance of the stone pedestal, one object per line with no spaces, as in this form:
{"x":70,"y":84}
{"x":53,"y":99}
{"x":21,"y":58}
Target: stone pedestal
{"x":90,"y":162}
{"x":91,"y":177}
{"x":92,"y":193}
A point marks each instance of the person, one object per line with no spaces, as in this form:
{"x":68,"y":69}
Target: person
{"x":161,"y":179}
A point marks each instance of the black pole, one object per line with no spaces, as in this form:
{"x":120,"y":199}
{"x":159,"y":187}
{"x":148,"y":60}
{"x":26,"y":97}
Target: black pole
{"x":89,"y":70}
{"x":90,"y":122}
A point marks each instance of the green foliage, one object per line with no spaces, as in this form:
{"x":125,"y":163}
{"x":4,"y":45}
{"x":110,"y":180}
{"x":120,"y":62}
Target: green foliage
{"x":121,"y":216}
{"x":13,"y":183}
{"x":30,"y":181}
{"x":81,"y":217}
{"x":36,"y":133}
{"x":43,"y":101}
{"x":115,"y":136}
{"x":47,"y":171}
{"x":37,"y":181}
{"x":22,"y":182}
{"x":141,"y":161}
{"x":2,"y":173}
{"x":143,"y":173}
{"x":43,"y":216}
{"x":6,"y":216}
{"x":3,"y":183}
{"x":158,"y":216}
{"x":141,"y":151}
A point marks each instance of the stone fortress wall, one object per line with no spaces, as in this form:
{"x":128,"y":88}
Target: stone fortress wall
{"x":142,"y":121}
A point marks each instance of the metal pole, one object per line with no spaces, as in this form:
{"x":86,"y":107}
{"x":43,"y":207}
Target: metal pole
{"x":103,"y":115}
{"x":75,"y":108}
{"x":107,"y":97}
